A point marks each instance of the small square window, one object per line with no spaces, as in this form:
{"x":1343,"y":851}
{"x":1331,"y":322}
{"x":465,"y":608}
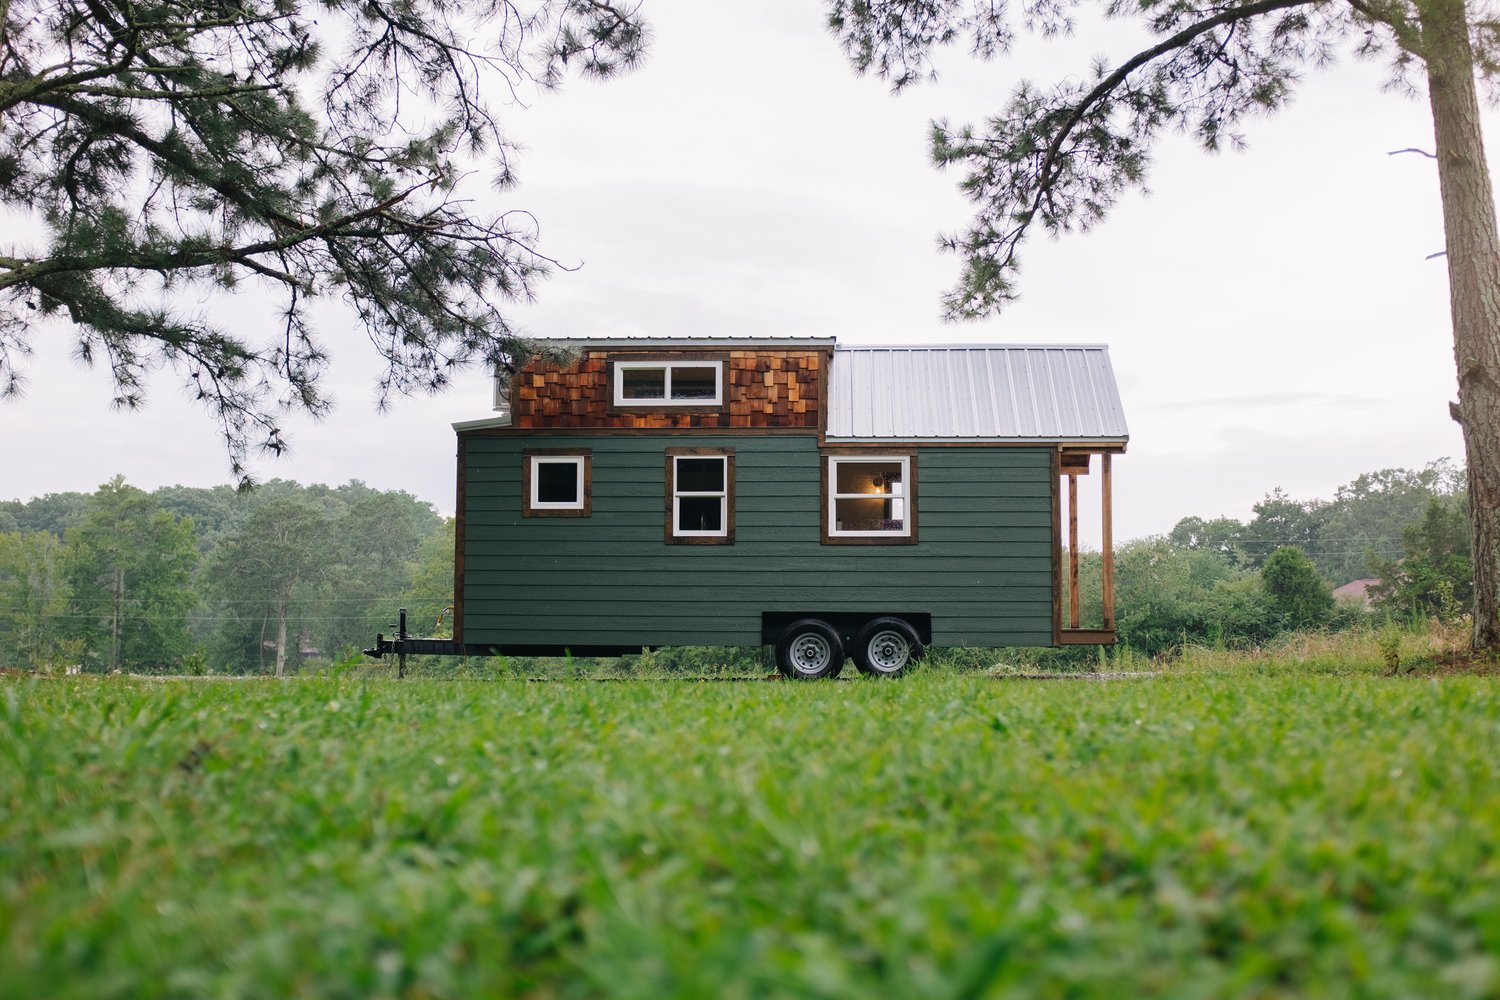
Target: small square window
{"x":870,"y":499}
{"x":700,"y":496}
{"x":556,"y":483}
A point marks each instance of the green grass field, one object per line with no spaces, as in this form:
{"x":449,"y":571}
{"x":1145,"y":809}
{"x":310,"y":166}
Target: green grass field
{"x":940,"y":836}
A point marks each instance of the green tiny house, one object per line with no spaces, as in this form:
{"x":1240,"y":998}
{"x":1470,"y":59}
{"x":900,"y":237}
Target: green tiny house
{"x":789,"y":492}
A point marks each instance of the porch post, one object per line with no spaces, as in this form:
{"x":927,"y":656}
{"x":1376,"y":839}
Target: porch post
{"x":1072,"y":550}
{"x":1107,"y":518}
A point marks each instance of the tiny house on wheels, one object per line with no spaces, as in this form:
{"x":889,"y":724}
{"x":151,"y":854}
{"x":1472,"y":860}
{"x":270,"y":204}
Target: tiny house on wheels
{"x":826,"y":500}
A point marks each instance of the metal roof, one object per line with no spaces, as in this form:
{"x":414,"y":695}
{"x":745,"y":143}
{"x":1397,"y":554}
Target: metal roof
{"x":1001,"y":392}
{"x":772,"y":340}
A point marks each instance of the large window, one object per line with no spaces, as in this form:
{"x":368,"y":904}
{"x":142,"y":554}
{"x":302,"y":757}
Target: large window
{"x":668,"y":383}
{"x":700,"y":496}
{"x":871,"y":499}
{"x":556,"y":483}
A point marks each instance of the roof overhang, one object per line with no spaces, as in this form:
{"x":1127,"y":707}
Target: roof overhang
{"x":483,"y":423}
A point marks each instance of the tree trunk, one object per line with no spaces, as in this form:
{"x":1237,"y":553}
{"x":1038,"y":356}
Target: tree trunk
{"x":280,"y":635}
{"x":1473,"y":288}
{"x":114,"y":625}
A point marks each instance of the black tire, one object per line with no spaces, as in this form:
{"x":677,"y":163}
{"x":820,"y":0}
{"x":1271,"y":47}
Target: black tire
{"x":887,"y":647}
{"x":810,"y":649}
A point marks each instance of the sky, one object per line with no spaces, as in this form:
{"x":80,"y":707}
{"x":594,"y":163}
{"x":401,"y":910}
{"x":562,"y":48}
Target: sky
{"x":1271,"y":314}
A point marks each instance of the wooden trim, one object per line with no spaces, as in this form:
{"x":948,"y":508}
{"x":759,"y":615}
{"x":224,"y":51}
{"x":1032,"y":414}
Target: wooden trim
{"x":528,"y":454}
{"x":1072,"y":550}
{"x":1087,"y":637}
{"x":1106,"y":496}
{"x":459,"y":513}
{"x":1056,"y":548}
{"x":824,"y":454}
{"x":1076,"y":463}
{"x":825,"y":378}
{"x":665,"y":357}
{"x":669,"y":478}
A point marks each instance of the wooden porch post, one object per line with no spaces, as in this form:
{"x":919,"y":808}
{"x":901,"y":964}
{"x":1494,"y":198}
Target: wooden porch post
{"x":1072,"y":550}
{"x":1107,"y":516}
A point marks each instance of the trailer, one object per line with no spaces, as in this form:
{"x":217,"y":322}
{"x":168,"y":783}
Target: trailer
{"x":830,"y":501}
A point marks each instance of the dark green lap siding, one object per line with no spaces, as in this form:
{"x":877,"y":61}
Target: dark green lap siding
{"x":981,"y":568}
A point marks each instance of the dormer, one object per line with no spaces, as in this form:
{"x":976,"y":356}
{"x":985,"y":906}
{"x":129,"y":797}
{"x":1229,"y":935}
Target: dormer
{"x":673,"y":383}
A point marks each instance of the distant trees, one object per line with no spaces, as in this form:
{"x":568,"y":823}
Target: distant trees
{"x":1295,"y":590}
{"x":1363,"y":522}
{"x":34,"y":599}
{"x":1433,"y":575}
{"x":133,"y":583}
{"x":1224,"y":580}
{"x":283,"y":545}
{"x":130,"y":567}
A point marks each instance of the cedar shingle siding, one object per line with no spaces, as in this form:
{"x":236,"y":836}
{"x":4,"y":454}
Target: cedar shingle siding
{"x":763,"y":388}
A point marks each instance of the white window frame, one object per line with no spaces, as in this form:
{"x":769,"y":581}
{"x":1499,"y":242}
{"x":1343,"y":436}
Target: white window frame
{"x":666,"y":367}
{"x":723,"y":495}
{"x":909,"y":513}
{"x":536,"y":481}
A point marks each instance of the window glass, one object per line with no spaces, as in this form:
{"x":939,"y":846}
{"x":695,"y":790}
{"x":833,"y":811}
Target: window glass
{"x":557,"y":481}
{"x":869,"y":515}
{"x":700,"y":475}
{"x":868,"y":477}
{"x":643,"y":383}
{"x":700,"y":514}
{"x":692,"y":383}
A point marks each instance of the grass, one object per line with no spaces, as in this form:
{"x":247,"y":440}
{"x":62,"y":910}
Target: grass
{"x":1190,"y":835}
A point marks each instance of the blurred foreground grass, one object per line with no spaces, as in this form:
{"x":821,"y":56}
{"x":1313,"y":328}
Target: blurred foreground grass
{"x":1190,"y":835}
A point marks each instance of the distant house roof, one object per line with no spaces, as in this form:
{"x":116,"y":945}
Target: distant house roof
{"x":1001,"y":392}
{"x":1354,"y":590}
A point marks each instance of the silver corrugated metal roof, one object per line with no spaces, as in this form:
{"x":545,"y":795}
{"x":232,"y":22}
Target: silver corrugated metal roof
{"x":1001,"y":392}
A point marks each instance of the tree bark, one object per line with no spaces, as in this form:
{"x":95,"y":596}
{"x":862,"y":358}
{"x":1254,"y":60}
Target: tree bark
{"x":280,"y":634}
{"x":114,"y":625}
{"x":1473,"y":288}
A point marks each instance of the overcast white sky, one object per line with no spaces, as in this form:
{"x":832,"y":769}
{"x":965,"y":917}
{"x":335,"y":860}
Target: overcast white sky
{"x":1270,"y":314}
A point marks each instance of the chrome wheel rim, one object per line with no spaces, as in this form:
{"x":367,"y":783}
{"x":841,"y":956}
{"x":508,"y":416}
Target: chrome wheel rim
{"x":811,"y":653}
{"x":888,"y":651}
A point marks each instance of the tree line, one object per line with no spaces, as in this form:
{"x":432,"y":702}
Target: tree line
{"x":1243,"y":582}
{"x":186,"y":579}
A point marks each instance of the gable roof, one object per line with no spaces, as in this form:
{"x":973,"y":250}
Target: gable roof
{"x":1001,"y":392}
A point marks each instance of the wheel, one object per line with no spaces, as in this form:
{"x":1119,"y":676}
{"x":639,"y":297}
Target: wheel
{"x":809,"y":649}
{"x":887,"y":647}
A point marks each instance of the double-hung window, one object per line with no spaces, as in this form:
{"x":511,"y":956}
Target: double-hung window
{"x":700,"y":496}
{"x":870,"y":499}
{"x":556,"y":483}
{"x":668,"y":383}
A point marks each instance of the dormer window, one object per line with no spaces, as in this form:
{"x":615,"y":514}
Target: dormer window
{"x":668,"y":383}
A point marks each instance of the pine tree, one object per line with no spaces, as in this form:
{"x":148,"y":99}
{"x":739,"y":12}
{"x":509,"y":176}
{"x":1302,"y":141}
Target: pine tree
{"x":129,"y":567}
{"x":164,"y":146}
{"x":1060,"y":157}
